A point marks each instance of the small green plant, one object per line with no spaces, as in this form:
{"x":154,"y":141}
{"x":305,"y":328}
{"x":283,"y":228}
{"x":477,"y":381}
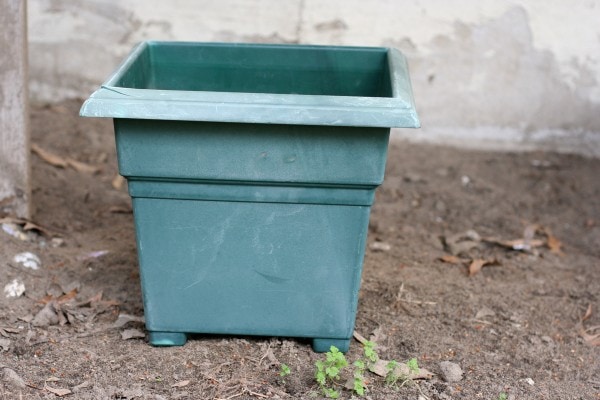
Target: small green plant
{"x":327,"y":372}
{"x":502,"y":396}
{"x":370,"y":353}
{"x":284,"y":371}
{"x":359,"y":377}
{"x":392,"y":376}
{"x":413,"y":365}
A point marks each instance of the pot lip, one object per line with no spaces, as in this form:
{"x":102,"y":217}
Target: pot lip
{"x":295,"y":109}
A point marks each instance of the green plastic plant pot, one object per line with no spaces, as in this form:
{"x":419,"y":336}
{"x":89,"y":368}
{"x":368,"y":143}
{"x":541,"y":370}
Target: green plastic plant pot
{"x":252,"y":170}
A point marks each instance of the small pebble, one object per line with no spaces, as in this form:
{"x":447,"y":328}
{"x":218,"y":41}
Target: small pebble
{"x":451,"y":372}
{"x":530,"y":381}
{"x":380,"y":246}
{"x":28,"y":260}
{"x":15,"y":288}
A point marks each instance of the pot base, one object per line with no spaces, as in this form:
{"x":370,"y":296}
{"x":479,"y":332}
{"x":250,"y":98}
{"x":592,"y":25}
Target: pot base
{"x":167,"y":339}
{"x":323,"y":345}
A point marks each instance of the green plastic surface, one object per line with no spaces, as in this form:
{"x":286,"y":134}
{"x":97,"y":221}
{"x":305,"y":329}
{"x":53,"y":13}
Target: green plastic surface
{"x":252,"y":170}
{"x":287,"y":84}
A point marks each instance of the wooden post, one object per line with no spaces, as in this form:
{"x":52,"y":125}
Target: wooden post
{"x":15,"y":189}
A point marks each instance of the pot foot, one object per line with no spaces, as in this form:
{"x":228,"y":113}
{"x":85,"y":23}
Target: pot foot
{"x":322,"y":345}
{"x":167,"y":338}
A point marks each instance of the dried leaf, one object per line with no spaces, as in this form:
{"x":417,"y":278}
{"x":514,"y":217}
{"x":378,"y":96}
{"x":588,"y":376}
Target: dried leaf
{"x":132,"y":334}
{"x":588,"y":313}
{"x":50,"y":158}
{"x":360,"y":338}
{"x":554,"y":244}
{"x":124,"y":319}
{"x":27,"y":225}
{"x":82,"y":385}
{"x":46,"y":316}
{"x":450,"y":259}
{"x":66,"y":297}
{"x":82,"y":167}
{"x":476,"y":266}
{"x":478,"y":263}
{"x":180,"y":384}
{"x":52,"y":379}
{"x":592,"y":340}
{"x":380,"y":367}
{"x":462,"y":243}
{"x":517,"y":244}
{"x":57,"y":391}
{"x":484,"y":312}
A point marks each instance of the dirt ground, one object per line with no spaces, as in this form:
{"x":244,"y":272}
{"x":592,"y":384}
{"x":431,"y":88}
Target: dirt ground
{"x":520,"y":328}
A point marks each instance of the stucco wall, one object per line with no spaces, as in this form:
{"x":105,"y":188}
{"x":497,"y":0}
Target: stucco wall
{"x":514,"y":74}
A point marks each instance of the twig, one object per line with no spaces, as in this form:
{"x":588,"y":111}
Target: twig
{"x":256,"y":394}
{"x":420,"y":391}
{"x":264,"y":355}
{"x":428,"y":303}
{"x":24,"y":269}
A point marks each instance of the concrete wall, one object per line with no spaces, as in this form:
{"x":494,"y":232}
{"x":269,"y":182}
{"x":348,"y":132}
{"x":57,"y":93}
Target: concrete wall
{"x":501,"y":74}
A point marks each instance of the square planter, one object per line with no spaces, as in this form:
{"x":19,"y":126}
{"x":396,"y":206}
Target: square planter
{"x":252,"y":170}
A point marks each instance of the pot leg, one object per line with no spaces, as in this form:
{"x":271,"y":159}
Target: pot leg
{"x":167,"y":338}
{"x":322,"y":345}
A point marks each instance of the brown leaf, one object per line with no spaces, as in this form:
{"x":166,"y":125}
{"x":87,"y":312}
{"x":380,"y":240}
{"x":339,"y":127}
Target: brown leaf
{"x":588,"y":313}
{"x":592,"y":340}
{"x":82,"y":167}
{"x":67,"y":296}
{"x":476,"y":266}
{"x":478,"y":263}
{"x":180,"y":384}
{"x":50,"y":158}
{"x":57,"y":391}
{"x":450,"y":259}
{"x":554,"y":244}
